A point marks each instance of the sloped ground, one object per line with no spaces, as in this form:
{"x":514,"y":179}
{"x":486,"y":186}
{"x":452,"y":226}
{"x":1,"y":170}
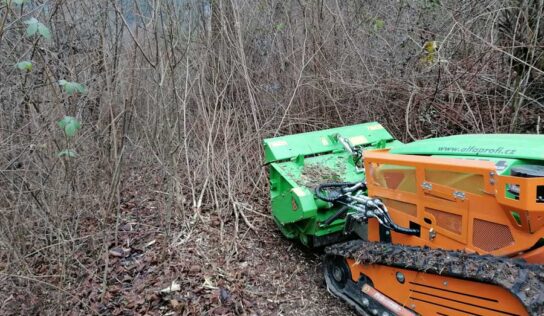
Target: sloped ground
{"x":198,"y":268}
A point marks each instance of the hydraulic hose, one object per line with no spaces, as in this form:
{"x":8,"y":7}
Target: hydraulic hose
{"x":396,"y":228}
{"x":337,"y":194}
{"x":407,"y":231}
{"x":319,"y":191}
{"x":341,"y":213}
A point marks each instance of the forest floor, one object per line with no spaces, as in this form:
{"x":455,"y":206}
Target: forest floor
{"x":208,"y":267}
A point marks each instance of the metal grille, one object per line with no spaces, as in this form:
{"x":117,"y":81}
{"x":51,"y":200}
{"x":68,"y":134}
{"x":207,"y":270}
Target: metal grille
{"x":491,"y":236}
{"x":449,"y":221}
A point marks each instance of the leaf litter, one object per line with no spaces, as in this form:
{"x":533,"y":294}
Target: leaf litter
{"x":214,"y":271}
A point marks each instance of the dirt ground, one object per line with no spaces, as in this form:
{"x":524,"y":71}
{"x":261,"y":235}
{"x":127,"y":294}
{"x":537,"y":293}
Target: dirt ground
{"x":204,"y":267}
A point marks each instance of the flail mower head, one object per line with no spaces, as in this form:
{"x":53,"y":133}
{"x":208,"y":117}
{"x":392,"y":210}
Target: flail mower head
{"x":299,"y":163}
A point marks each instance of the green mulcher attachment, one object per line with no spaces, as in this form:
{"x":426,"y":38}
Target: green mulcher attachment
{"x":299,"y":163}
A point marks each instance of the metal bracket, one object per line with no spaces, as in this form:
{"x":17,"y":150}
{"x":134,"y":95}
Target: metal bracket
{"x":427,"y":186}
{"x":432,"y":234}
{"x":459,"y":195}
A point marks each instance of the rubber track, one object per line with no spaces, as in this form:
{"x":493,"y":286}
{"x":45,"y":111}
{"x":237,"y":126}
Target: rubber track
{"x":523,"y":280}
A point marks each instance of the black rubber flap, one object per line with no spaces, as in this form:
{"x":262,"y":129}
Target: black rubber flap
{"x":528,"y":171}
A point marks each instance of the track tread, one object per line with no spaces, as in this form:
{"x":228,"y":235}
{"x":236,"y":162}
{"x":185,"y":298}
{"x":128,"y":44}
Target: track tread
{"x":524,"y":280}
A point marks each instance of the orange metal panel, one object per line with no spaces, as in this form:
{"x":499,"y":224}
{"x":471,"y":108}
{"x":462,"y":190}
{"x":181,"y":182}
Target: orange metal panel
{"x":535,"y":256}
{"x":430,"y":294}
{"x":438,"y":204}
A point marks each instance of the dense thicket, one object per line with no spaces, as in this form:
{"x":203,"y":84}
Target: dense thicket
{"x":184,"y":91}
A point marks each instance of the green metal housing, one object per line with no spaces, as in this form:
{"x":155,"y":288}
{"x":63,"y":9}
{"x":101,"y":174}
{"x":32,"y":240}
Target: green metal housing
{"x":299,"y":163}
{"x":505,"y":150}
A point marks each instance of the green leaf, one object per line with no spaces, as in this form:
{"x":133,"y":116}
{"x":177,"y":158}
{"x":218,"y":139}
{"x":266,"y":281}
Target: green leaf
{"x":69,"y":153}
{"x":280,"y":27}
{"x":35,"y":26}
{"x":71,"y":87}
{"x":32,"y":27}
{"x":44,"y":31}
{"x":379,"y":24}
{"x":24,"y":65}
{"x":70,"y":125}
{"x":430,"y":47}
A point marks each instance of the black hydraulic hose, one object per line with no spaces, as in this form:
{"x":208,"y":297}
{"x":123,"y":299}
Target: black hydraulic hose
{"x":337,"y":198}
{"x":341,"y":212}
{"x":397,"y":228}
{"x":407,"y":231}
{"x":333,"y":185}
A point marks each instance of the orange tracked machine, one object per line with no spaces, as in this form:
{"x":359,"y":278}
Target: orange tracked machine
{"x":445,"y":226}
